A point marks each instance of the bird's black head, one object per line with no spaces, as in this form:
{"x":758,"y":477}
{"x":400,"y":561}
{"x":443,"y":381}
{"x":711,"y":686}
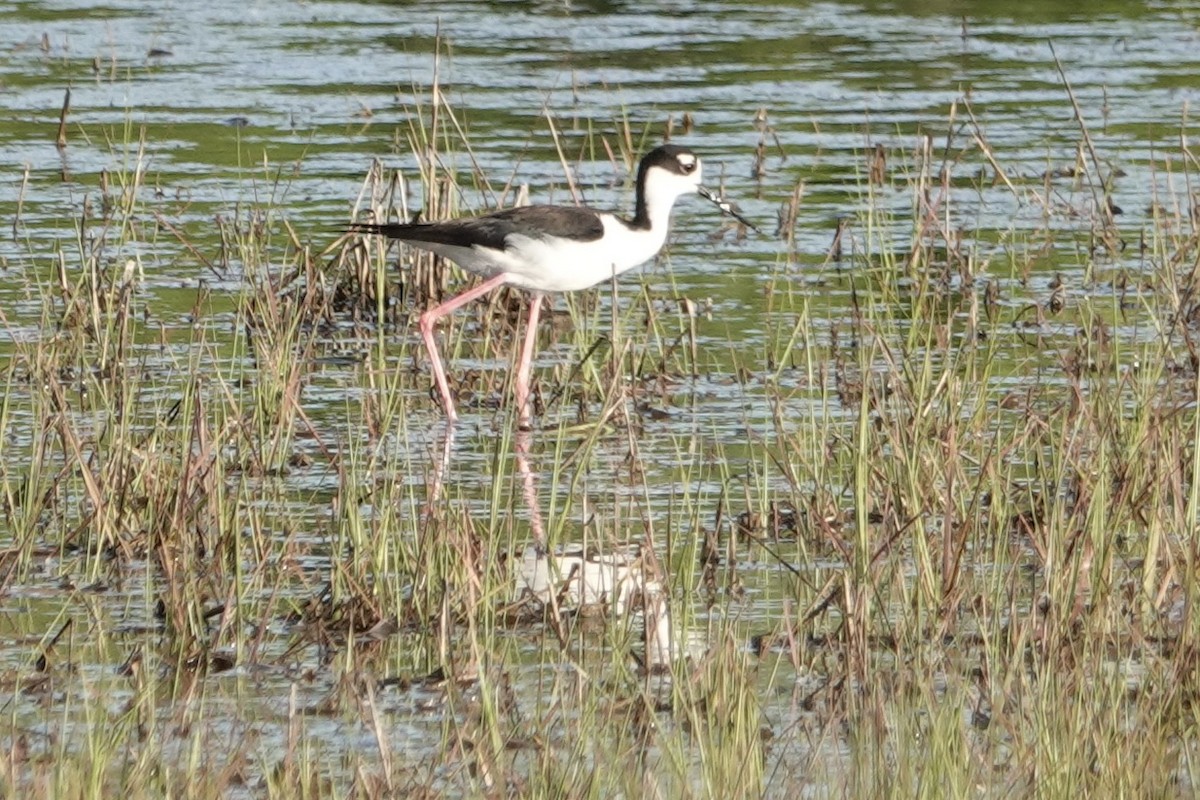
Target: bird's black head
{"x":670,"y":171}
{"x":672,"y":159}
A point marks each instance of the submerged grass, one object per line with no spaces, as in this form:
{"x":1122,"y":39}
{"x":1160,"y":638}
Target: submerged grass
{"x":944,"y":546}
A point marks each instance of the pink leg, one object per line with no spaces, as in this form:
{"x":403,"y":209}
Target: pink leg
{"x":426,"y":323}
{"x":529,"y":489}
{"x":525,"y":365}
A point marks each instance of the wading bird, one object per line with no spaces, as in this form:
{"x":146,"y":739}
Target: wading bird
{"x":547,"y":248}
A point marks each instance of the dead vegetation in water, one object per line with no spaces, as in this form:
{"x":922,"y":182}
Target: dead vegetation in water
{"x":969,"y":511}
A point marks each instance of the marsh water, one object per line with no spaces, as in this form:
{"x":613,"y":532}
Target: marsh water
{"x":232,"y":106}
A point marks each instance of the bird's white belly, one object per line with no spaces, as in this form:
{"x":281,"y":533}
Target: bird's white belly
{"x":562,"y":265}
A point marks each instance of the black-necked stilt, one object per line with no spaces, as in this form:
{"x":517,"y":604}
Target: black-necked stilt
{"x":552,"y":249}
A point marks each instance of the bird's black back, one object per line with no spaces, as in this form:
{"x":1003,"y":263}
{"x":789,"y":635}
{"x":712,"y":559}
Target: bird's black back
{"x":492,"y":230}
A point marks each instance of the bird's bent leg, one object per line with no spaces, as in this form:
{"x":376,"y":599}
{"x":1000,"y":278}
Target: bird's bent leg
{"x":430,"y":318}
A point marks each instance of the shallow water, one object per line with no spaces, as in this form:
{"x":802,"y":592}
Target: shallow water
{"x":285,"y":105}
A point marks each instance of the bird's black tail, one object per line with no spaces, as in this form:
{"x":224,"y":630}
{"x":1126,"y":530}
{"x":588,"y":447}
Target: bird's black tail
{"x":376,"y":229}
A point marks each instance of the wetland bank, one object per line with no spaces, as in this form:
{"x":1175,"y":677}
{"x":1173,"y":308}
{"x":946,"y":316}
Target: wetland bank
{"x":916,"y":470}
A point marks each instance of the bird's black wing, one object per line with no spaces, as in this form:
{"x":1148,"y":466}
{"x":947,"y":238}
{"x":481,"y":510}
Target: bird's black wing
{"x":492,"y":230}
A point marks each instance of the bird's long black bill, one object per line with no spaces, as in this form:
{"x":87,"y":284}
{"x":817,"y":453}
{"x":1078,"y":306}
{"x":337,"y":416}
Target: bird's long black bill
{"x":726,"y":207}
